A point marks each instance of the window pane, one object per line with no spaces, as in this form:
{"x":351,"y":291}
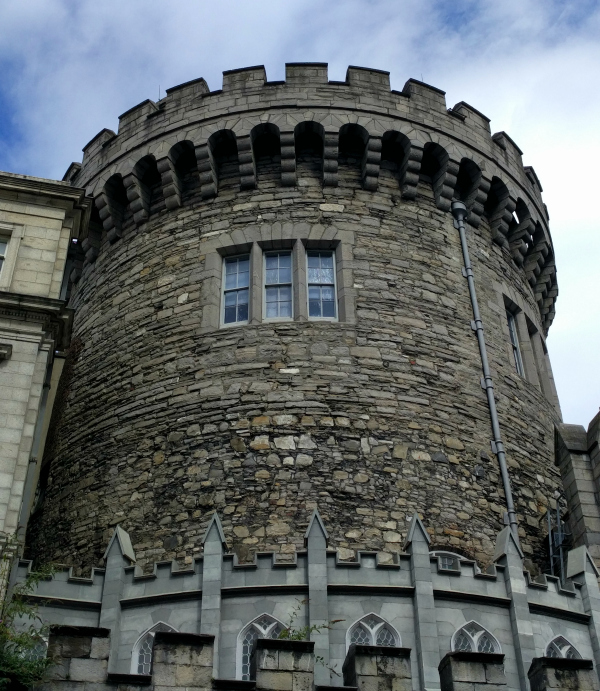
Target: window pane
{"x":271,"y":261}
{"x":272,"y":276}
{"x":285,"y":275}
{"x":285,"y":293}
{"x":231,"y":298}
{"x":272,"y":310}
{"x":243,"y":312}
{"x":230,"y":281}
{"x":313,"y":261}
{"x":462,"y":643}
{"x":285,"y":309}
{"x":285,"y":259}
{"x":314,"y":308}
{"x":485,"y":644}
{"x":2,"y":248}
{"x":272,"y":294}
{"x":327,"y":260}
{"x":230,"y":313}
{"x":385,"y":637}
{"x":243,"y":265}
{"x":328,"y":309}
{"x":360,"y":636}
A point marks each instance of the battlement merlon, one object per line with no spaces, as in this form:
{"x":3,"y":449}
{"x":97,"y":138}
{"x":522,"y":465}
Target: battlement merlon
{"x":306,"y":85}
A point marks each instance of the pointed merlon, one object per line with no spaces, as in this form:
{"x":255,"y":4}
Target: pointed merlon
{"x":214,"y":531}
{"x":315,"y":523}
{"x":505,"y":542}
{"x":416,"y":531}
{"x":579,"y":561}
{"x":124,"y":543}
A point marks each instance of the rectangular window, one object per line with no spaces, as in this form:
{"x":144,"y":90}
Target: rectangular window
{"x":514,"y":340}
{"x":236,"y":280}
{"x":3,"y":246}
{"x":278,"y":285}
{"x":321,"y":285}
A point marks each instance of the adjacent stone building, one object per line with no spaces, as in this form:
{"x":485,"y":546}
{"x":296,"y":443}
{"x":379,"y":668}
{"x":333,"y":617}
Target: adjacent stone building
{"x":308,"y":391}
{"x":39,"y":220}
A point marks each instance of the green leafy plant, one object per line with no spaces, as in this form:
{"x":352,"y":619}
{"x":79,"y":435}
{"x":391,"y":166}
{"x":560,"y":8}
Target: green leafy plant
{"x":293,"y":633}
{"x":23,"y":634}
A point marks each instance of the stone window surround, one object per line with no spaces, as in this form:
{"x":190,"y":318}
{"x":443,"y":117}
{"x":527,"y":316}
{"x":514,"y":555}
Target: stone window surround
{"x":256,"y":243}
{"x":15,"y":233}
{"x":534,"y":354}
{"x":382,"y":622}
{"x":138,"y":644}
{"x":475,"y":639}
{"x":240,"y":639}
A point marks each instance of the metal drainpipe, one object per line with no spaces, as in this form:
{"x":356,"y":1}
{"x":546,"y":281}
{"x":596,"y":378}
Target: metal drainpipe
{"x":459,"y":212}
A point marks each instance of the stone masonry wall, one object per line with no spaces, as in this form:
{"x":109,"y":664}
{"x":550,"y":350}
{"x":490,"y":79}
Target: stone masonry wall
{"x":369,"y":419}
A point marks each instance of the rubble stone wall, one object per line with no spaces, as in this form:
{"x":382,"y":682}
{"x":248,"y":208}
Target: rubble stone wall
{"x":169,"y":417}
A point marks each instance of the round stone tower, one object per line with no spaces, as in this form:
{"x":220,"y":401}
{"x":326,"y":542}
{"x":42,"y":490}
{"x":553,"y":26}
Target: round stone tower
{"x":271,"y":315}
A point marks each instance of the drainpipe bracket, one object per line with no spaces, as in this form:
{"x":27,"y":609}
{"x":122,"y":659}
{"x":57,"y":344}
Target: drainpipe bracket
{"x":473,"y":326}
{"x":494,"y":447}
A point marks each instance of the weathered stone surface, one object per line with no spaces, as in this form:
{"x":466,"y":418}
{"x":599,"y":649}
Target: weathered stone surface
{"x":164,"y":417}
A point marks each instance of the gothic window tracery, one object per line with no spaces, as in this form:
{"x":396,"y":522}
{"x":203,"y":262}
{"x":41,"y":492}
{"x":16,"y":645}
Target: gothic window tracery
{"x":264,"y":626}
{"x":560,"y":647}
{"x":141,"y":658}
{"x":473,"y":638}
{"x":373,"y":630}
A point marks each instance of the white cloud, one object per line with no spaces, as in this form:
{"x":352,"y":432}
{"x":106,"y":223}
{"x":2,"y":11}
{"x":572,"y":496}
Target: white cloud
{"x":72,"y":66}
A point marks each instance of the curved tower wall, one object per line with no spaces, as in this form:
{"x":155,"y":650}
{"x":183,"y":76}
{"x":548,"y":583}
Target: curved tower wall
{"x":165,"y":415}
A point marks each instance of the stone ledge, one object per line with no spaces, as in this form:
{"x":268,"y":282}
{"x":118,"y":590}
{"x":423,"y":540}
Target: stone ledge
{"x":178,"y":638}
{"x":539,"y":663}
{"x":129,"y":679}
{"x":79,"y":631}
{"x":460,"y":656}
{"x":382,"y":650}
{"x":284,"y":644}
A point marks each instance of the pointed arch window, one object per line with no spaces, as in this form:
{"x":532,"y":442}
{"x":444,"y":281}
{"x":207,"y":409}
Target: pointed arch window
{"x":560,"y":647}
{"x":264,"y":626}
{"x":141,"y":658}
{"x":473,"y":638}
{"x":372,"y":630}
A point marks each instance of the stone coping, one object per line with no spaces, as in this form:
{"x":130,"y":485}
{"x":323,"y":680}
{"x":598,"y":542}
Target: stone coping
{"x":234,"y":684}
{"x":79,"y":631}
{"x":178,"y":638}
{"x":129,"y":679}
{"x":539,"y":663}
{"x":482,"y":658}
{"x":284,"y":644}
{"x":383,"y":650}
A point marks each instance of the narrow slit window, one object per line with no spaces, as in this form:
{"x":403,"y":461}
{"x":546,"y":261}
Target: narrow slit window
{"x":236,"y":281}
{"x":321,"y":285}
{"x":278,"y":285}
{"x":514,"y":341}
{"x":3,"y":247}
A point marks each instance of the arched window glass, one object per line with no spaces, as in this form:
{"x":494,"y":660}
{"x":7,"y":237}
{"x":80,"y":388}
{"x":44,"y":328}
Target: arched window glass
{"x":472,"y":637}
{"x":447,"y":560}
{"x":560,"y":647}
{"x":372,"y":630}
{"x":264,"y":626}
{"x":141,"y":658}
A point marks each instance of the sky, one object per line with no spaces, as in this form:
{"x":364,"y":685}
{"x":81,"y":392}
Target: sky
{"x":69,"y":68}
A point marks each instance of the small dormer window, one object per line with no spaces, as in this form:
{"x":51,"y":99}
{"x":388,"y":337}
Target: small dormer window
{"x":373,"y":630}
{"x":560,"y":647}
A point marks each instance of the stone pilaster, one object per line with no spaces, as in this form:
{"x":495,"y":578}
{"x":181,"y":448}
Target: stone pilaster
{"x":428,"y":653}
{"x":182,"y":660}
{"x":508,"y":554}
{"x":212,"y":575}
{"x":473,"y":671}
{"x":119,"y":554}
{"x":282,"y":665}
{"x":550,"y":673}
{"x":378,"y":668}
{"x":318,"y":606}
{"x":582,"y":569}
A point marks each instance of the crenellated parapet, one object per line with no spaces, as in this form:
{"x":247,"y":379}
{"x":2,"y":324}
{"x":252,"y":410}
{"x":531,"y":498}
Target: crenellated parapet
{"x":422,"y":599}
{"x":190,"y":146}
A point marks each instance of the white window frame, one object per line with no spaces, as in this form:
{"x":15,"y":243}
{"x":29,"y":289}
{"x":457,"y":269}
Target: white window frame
{"x":373,"y":631}
{"x":136,"y":647}
{"x":333,"y":253}
{"x":13,"y":233}
{"x":270,"y":253}
{"x":475,"y":637}
{"x":224,"y":261}
{"x":513,"y":335}
{"x":254,"y":625}
{"x":441,"y":554}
